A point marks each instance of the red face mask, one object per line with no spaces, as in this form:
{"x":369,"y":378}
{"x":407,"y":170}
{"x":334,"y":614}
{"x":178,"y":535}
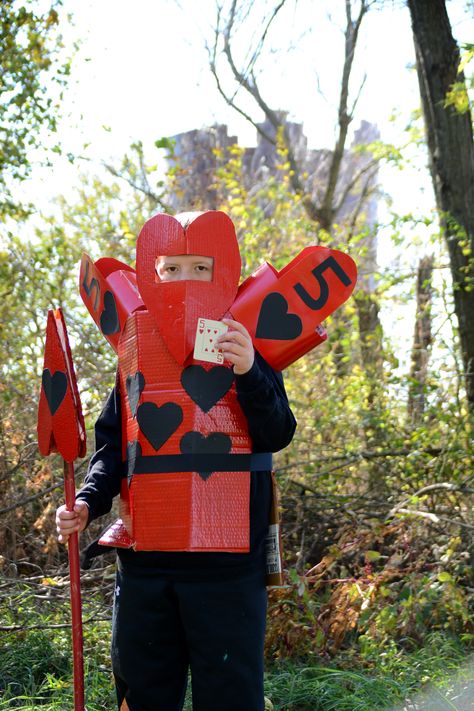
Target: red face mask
{"x":177,"y":306}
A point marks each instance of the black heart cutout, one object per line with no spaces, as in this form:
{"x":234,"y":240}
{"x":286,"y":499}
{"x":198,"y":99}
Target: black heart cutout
{"x":55,"y":387}
{"x":159,"y":423}
{"x":196,"y":443}
{"x":135,"y":385}
{"x":109,"y":320}
{"x":207,"y":387}
{"x":275,"y":322}
{"x":134,"y":450}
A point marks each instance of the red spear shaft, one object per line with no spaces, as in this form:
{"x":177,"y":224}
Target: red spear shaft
{"x":75,"y":593}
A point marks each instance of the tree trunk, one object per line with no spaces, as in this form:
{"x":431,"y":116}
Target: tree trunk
{"x":451,"y":150}
{"x":421,"y":340}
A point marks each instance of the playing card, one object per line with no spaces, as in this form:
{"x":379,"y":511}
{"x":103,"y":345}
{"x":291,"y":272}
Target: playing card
{"x":207,"y":333}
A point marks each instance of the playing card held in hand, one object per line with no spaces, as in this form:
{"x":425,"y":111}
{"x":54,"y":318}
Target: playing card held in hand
{"x":207,"y":333}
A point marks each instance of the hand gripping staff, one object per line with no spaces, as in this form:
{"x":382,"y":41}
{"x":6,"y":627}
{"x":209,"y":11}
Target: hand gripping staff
{"x":61,"y":429}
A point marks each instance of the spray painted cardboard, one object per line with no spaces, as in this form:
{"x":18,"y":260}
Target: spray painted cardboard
{"x":60,"y":423}
{"x":283,"y":311}
{"x":184,"y":435}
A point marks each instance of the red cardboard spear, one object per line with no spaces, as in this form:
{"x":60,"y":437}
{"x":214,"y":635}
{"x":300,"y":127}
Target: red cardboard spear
{"x":61,"y":429}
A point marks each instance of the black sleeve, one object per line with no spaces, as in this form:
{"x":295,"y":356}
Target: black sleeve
{"x":106,"y":468}
{"x":262,"y":396}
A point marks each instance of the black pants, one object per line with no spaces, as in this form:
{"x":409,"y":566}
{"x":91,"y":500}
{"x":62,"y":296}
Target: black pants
{"x":162,"y":628}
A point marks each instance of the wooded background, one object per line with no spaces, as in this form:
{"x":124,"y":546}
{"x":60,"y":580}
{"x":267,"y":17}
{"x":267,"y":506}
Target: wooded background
{"x":377,"y":487}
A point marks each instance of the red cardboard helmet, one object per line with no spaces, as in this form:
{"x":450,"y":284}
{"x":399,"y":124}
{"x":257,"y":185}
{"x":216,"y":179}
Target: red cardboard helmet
{"x":176,"y":306}
{"x":60,"y":421}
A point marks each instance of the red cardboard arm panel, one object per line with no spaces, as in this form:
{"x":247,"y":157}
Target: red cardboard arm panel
{"x":60,"y":421}
{"x":109,"y":290}
{"x":283,"y":310}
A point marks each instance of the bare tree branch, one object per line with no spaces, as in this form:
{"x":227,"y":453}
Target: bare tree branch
{"x":39,"y":494}
{"x":366,"y":191}
{"x":371,"y":166}
{"x":261,"y":42}
{"x":144,"y":187}
{"x":327,"y":209}
{"x":435,"y":518}
{"x":324,"y":211}
{"x":442,"y":486}
{"x":21,"y":628}
{"x":351,"y":457}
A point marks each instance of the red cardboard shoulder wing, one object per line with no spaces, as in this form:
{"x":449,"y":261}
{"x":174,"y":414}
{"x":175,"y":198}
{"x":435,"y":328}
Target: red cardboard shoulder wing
{"x":283,"y":310}
{"x":109,"y":290}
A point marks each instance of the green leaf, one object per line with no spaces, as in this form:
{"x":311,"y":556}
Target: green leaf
{"x":445,"y":577}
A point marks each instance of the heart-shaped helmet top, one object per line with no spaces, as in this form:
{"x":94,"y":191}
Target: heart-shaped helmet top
{"x":176,"y":306}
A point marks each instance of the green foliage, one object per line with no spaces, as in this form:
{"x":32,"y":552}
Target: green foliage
{"x":378,"y":584}
{"x":36,"y":274}
{"x":377,"y":558}
{"x":36,"y":656}
{"x":319,"y":688}
{"x":26,"y":660}
{"x":36,"y":666}
{"x":270,"y":220}
{"x":29,"y":67}
{"x":150,"y":188}
{"x":458,"y":95}
{"x":36,"y":673}
{"x":385,"y":678}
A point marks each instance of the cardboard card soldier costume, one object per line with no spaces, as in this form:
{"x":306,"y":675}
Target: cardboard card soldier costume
{"x":184,"y":435}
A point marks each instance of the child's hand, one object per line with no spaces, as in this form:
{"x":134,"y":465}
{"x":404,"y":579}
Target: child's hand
{"x":68,"y":522}
{"x":237,"y":346}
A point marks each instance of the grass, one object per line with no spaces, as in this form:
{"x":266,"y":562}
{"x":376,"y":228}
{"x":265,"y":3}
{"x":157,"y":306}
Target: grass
{"x":36,"y":676}
{"x":326,"y":688}
{"x":351,"y":683}
{"x":36,"y":673}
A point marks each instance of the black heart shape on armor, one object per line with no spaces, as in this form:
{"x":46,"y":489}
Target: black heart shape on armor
{"x":109,"y":320}
{"x":275,"y":322}
{"x":134,"y":451}
{"x":159,"y":423}
{"x":196,"y":443}
{"x":55,"y":387}
{"x":135,"y":385}
{"x":207,"y":387}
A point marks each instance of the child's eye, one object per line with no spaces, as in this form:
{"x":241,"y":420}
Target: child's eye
{"x":202,"y":268}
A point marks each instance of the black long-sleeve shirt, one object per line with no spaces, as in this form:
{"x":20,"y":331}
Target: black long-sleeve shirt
{"x":261,"y":394}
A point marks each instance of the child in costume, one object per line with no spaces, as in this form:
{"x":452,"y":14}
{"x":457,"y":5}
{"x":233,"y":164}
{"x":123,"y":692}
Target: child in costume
{"x":187,"y":444}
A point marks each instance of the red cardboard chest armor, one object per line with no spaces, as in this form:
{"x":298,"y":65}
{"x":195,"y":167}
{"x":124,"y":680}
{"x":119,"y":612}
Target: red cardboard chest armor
{"x":172,"y":409}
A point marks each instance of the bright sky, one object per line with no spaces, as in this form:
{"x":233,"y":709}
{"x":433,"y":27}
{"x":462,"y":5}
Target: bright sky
{"x":142,"y":72}
{"x":148,"y":74}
